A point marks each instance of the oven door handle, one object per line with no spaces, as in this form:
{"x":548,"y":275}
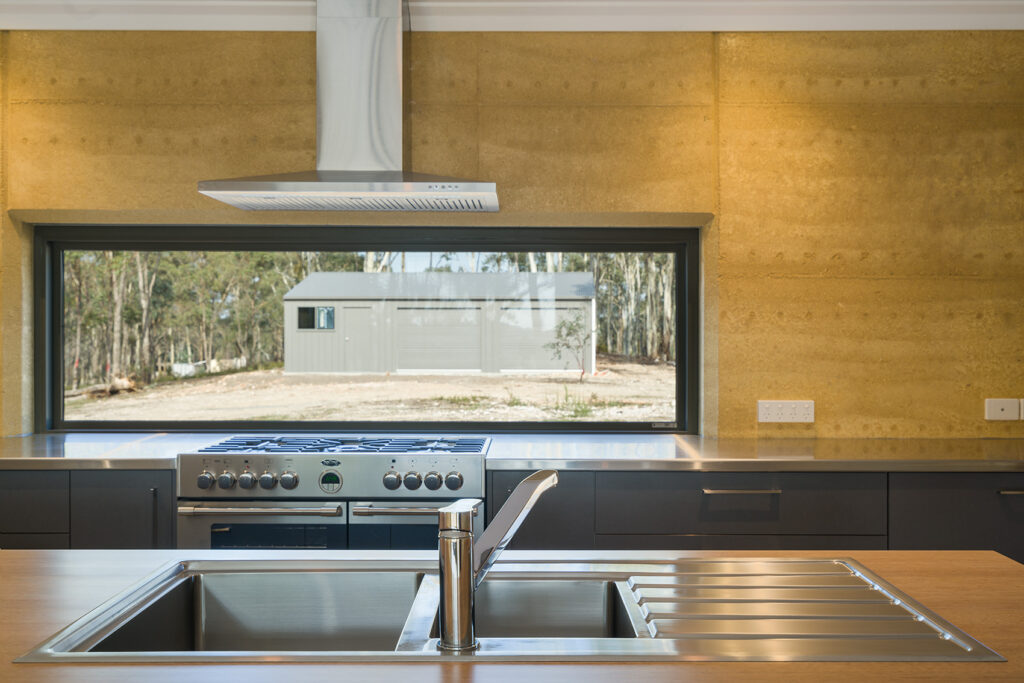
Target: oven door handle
{"x":370,"y":511}
{"x":323,"y":511}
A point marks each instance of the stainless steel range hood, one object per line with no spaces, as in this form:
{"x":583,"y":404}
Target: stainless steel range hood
{"x":359,"y":129}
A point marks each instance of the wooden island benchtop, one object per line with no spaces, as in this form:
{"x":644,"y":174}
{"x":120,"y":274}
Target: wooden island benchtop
{"x":41,"y":591}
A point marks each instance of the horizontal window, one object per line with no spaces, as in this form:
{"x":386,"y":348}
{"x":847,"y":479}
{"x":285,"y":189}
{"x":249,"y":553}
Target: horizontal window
{"x":316,"y":318}
{"x":220,"y":337}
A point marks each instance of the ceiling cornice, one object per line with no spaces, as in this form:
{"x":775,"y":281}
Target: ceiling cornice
{"x":528,"y":15}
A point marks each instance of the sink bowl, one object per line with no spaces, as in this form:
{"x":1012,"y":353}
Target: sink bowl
{"x":509,"y":608}
{"x":282,"y":610}
{"x":596,"y":610}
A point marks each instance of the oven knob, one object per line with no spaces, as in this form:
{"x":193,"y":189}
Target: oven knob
{"x":453,"y":481}
{"x":289,"y":480}
{"x":226,"y":480}
{"x":432,"y":480}
{"x":412,"y":480}
{"x":392,"y":480}
{"x":247,"y":480}
{"x":205,"y":480}
{"x":268,"y":480}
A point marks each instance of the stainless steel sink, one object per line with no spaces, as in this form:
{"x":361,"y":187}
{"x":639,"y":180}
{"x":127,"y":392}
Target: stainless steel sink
{"x":679,"y":610}
{"x":283,"y":610}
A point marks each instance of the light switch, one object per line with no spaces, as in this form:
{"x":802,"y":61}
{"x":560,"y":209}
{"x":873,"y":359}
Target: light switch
{"x":1002,"y":408}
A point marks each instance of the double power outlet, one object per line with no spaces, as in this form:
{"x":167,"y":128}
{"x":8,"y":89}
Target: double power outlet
{"x":785,"y":411}
{"x":1004,"y":408}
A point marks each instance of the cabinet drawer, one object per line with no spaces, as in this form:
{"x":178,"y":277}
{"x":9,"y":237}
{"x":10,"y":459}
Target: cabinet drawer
{"x":741,"y":503}
{"x":738,"y":542}
{"x":957,"y":511}
{"x":33,"y":502}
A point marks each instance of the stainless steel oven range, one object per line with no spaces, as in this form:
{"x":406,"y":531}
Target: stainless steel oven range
{"x":322,"y":491}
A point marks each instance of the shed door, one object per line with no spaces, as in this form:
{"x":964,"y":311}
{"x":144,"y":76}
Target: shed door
{"x":438,"y":337}
{"x":358,"y":347}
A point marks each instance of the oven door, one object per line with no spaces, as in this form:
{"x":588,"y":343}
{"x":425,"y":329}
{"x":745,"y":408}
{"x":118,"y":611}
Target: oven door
{"x":278,"y":525}
{"x":408,"y":531}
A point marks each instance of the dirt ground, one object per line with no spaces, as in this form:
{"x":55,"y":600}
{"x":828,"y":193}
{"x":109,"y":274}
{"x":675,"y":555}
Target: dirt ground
{"x":620,"y":391}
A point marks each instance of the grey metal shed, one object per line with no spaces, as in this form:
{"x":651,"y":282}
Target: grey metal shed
{"x":434,"y":322}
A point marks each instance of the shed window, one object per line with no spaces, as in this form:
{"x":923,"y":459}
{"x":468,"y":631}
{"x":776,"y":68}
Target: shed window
{"x":437,"y":328}
{"x":325,"y":317}
{"x":316,"y":318}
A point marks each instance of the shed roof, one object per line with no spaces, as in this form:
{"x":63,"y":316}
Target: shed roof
{"x":445,"y":286}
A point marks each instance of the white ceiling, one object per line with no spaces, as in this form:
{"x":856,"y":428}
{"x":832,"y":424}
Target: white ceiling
{"x":528,"y":15}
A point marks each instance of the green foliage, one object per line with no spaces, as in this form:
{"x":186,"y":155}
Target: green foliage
{"x":473,"y":401}
{"x":572,"y":338}
{"x":513,"y":401}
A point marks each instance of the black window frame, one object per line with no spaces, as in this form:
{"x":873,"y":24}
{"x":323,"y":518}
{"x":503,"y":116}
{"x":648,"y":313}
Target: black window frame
{"x":51,"y":240}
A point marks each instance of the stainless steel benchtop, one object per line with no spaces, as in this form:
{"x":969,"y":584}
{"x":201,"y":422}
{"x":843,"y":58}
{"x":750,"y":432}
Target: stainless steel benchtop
{"x":611,"y":452}
{"x":569,"y":451}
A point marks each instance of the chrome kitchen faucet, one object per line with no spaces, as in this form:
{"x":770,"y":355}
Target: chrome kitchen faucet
{"x":463,"y":564}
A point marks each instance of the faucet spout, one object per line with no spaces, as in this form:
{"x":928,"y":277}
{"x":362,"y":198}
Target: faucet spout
{"x":508,"y":520}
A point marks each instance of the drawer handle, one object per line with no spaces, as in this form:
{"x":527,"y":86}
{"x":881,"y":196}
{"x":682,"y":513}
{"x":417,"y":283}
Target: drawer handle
{"x":742,"y":492}
{"x":370,"y":511}
{"x":196,"y":510}
{"x":1011,"y":492}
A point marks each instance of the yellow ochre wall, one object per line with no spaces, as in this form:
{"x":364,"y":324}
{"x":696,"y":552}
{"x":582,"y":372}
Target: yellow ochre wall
{"x":868,"y":188}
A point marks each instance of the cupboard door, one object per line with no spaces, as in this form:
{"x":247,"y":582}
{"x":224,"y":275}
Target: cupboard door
{"x":957,"y":511}
{"x":33,"y":502}
{"x":122,"y":509}
{"x":563,"y":518}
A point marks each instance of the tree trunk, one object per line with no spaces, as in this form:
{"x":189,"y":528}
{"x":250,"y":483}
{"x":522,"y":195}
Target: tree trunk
{"x":532,"y":257}
{"x":117,"y":287}
{"x":146,"y":280}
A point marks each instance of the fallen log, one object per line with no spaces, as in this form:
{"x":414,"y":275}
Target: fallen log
{"x":115,"y":386}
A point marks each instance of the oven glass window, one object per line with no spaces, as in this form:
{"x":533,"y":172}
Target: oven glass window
{"x":219,"y":337}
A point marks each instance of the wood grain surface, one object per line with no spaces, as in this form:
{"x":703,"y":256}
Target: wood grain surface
{"x":42,"y":591}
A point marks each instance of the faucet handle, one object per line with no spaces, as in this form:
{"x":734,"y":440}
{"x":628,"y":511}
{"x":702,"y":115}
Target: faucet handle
{"x":508,"y":519}
{"x":458,"y":516}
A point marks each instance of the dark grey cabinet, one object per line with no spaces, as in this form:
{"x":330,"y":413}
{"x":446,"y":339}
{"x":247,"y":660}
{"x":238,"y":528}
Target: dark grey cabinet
{"x":563,"y":518}
{"x":702,"y":510}
{"x":33,"y":509}
{"x":957,"y":511}
{"x":741,"y":511}
{"x":122,"y":509}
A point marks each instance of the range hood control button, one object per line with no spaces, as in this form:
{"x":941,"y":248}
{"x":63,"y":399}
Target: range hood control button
{"x":433,"y":481}
{"x":392,"y":480}
{"x":289,"y":480}
{"x":453,"y":481}
{"x":226,"y":480}
{"x":413,"y":480}
{"x":247,"y":480}
{"x":205,"y":480}
{"x":268,"y":480}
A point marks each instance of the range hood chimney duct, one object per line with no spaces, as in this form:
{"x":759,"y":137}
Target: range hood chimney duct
{"x":358,"y":129}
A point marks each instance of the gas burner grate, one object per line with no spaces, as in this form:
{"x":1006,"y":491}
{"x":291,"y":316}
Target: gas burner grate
{"x":350,"y":444}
